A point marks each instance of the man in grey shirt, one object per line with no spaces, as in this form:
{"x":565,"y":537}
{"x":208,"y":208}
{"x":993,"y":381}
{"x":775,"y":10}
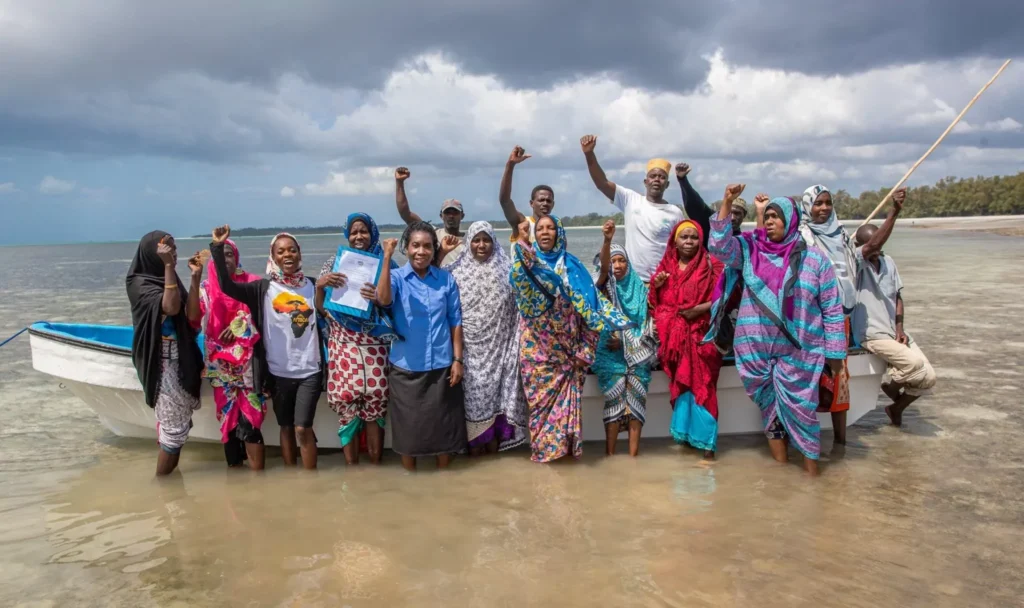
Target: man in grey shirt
{"x":878,"y":317}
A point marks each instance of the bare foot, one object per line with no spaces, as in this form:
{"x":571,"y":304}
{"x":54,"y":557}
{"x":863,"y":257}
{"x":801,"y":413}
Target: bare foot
{"x":709,"y":455}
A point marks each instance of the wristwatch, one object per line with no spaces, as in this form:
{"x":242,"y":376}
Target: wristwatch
{"x":457,"y":360}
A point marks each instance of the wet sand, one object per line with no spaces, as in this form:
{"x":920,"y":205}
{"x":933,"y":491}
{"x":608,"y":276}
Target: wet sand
{"x":928,"y":515}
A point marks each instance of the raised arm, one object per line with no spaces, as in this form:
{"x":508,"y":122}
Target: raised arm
{"x":760,"y":204}
{"x":170,"y":303}
{"x":508,"y":207}
{"x":193,"y":309}
{"x":606,"y":253}
{"x":401,"y":200}
{"x":877,"y":241}
{"x":722,"y":244}
{"x":605,"y":185}
{"x":384,"y":282}
{"x":246,"y":293}
{"x":694,"y":205}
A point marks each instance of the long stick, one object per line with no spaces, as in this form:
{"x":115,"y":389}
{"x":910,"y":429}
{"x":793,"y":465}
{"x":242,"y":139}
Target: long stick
{"x":936,"y":144}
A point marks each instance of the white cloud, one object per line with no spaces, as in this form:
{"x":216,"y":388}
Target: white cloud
{"x":369,"y":180}
{"x":151,"y":191}
{"x":7,"y":188}
{"x":287,"y":192}
{"x":51,"y":186}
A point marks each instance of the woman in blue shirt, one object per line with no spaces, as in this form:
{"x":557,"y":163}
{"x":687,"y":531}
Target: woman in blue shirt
{"x":427,"y":409}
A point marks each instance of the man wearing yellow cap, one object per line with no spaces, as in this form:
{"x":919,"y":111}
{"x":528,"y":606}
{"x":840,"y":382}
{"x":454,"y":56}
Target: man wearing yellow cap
{"x":649,"y":219}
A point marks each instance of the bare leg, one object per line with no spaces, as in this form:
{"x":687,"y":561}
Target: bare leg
{"x":257,"y":455}
{"x":811,"y":466}
{"x":375,"y":441}
{"x":611,"y":436}
{"x":351,"y":450}
{"x":895,"y":410}
{"x":778,"y":449}
{"x":492,"y":446}
{"x":443,"y":460}
{"x":892,"y":391}
{"x":288,"y":446}
{"x":409,"y":463}
{"x":165,"y":462}
{"x":634,"y":437}
{"x":839,"y":427}
{"x":307,"y":447}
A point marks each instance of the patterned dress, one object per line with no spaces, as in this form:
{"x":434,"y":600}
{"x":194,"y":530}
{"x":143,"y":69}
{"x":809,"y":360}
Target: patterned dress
{"x":357,"y":376}
{"x":495,"y":404}
{"x":780,"y":377}
{"x":549,"y":345}
{"x":561,"y":316}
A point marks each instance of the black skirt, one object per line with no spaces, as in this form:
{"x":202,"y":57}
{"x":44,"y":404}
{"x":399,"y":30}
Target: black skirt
{"x":428,"y":417}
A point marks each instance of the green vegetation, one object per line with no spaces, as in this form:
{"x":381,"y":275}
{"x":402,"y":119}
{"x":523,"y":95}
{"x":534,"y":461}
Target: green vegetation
{"x":950,"y":197}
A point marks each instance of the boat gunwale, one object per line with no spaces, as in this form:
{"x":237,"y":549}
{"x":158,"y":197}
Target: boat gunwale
{"x":41,"y":329}
{"x":44,"y":330}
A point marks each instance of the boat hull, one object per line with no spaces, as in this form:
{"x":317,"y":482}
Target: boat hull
{"x":103,"y":377}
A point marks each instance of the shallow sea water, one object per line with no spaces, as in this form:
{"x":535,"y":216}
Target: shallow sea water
{"x":928,"y":515}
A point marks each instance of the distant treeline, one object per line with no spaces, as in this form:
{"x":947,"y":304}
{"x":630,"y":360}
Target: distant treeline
{"x":950,"y":197}
{"x":591,"y":219}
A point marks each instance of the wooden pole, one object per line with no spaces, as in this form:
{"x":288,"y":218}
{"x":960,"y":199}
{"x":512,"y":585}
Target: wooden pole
{"x":936,"y":144}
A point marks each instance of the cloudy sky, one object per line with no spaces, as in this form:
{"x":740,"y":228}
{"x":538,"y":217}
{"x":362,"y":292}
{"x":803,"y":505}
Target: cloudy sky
{"x":118,"y":117}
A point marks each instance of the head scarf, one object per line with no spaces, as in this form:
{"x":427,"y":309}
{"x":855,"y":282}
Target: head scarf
{"x":560,"y":272}
{"x":832,"y":238}
{"x":371,"y":225}
{"x":684,"y":289}
{"x":658,"y":163}
{"x":223,"y":312}
{"x":145,"y":286}
{"x":629,"y":296}
{"x":495,"y":269}
{"x":770,"y":261}
{"x":274,"y":271}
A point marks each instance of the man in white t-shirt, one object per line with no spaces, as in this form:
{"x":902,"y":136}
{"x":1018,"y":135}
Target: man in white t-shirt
{"x":649,"y":219}
{"x":542,"y":199}
{"x":451,"y":217}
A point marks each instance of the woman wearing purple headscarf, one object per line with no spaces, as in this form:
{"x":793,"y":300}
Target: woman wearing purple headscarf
{"x":790,"y":322}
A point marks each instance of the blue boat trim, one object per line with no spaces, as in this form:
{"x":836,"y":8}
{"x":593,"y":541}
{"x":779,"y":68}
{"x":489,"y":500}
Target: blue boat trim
{"x":116,"y":339}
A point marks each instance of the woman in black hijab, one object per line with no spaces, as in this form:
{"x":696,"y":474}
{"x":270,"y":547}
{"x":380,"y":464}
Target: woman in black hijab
{"x":164,"y":349}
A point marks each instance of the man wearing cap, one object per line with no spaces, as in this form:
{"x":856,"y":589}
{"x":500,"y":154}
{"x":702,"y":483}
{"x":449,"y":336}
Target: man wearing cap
{"x":649,"y":219}
{"x":542,"y":199}
{"x":451,"y":216}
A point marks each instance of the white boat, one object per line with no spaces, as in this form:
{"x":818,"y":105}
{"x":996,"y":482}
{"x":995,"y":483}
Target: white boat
{"x":94,"y":361}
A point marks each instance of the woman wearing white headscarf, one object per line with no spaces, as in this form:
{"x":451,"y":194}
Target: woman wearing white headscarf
{"x":820,"y":227}
{"x":495,"y":403}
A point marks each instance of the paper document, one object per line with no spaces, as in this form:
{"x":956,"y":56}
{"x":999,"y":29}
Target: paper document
{"x":360,"y":268}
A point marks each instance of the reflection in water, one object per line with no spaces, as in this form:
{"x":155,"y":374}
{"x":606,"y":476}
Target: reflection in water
{"x":924,"y":516}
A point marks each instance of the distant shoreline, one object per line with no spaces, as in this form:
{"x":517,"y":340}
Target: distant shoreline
{"x":1004,"y":225}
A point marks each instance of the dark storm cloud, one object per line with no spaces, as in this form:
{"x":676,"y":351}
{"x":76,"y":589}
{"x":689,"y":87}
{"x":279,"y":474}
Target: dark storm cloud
{"x":656,"y":44}
{"x":817,"y":37}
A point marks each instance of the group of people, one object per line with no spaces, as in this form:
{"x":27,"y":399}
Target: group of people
{"x":467,"y":348}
